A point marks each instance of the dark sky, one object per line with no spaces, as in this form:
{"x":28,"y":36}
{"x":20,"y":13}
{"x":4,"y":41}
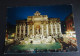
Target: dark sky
{"x":56,"y":11}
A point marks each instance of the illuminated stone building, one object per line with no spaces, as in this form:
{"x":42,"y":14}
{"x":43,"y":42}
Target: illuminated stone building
{"x":70,"y":30}
{"x":38,"y":25}
{"x":70,"y":25}
{"x":21,"y":29}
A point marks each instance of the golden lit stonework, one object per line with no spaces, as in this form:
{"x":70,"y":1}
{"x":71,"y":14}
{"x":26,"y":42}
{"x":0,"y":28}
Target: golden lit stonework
{"x":38,"y":29}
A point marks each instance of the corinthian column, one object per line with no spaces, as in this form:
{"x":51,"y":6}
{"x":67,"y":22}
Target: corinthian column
{"x":55,"y":28}
{"x":42,"y":29}
{"x":60,"y":28}
{"x":51,"y":29}
{"x":16,"y":30}
{"x":33,"y":29}
{"x":20,"y":31}
{"x":28,"y":29}
{"x":23,"y":30}
{"x":47,"y":28}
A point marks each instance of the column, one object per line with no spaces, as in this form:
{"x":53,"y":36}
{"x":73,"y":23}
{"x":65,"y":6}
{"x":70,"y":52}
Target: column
{"x":28,"y":29}
{"x":33,"y":29}
{"x":20,"y":30}
{"x":51,"y":29}
{"x":47,"y":28}
{"x":16,"y":30}
{"x":16,"y":33}
{"x":55,"y":28}
{"x":60,"y":28}
{"x":42,"y":29}
{"x":24,"y":30}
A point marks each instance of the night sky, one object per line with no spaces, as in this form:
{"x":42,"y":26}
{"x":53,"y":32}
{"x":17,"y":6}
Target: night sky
{"x":56,"y":11}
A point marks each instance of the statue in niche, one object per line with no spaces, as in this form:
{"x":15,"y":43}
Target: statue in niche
{"x":37,"y":29}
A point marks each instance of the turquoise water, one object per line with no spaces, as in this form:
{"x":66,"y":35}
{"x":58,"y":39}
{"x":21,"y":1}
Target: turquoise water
{"x":37,"y":46}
